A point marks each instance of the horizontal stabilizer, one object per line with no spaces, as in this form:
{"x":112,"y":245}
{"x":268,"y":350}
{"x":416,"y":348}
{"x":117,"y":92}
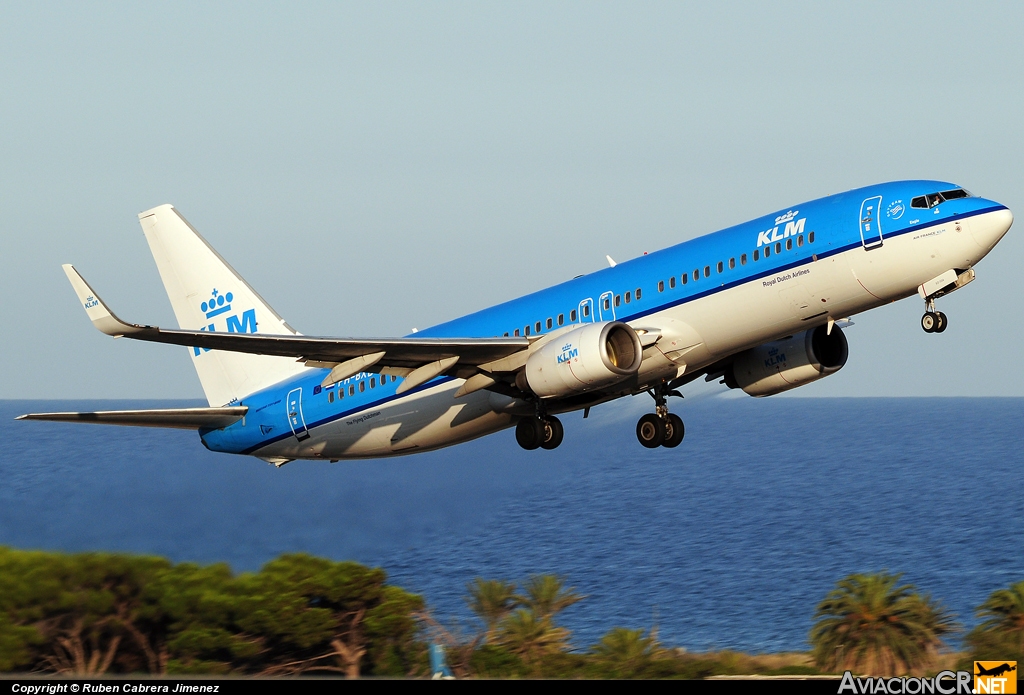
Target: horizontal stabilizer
{"x":176,"y":418}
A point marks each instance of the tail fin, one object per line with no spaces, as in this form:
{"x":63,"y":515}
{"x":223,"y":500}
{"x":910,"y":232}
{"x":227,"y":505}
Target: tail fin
{"x":207,"y":294}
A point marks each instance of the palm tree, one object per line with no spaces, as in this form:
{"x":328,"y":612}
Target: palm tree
{"x":530,"y":636}
{"x":870,"y":625}
{"x":545,"y":595}
{"x":491,"y":600}
{"x":626,"y":650}
{"x":1003,"y":613}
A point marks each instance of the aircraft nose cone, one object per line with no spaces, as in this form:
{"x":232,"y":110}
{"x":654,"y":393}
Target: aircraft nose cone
{"x":991,"y":227}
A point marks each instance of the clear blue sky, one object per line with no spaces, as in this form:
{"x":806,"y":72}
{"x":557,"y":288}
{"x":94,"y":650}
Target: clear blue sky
{"x":374,"y":167}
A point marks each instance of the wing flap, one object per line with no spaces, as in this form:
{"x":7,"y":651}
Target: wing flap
{"x":176,"y":418}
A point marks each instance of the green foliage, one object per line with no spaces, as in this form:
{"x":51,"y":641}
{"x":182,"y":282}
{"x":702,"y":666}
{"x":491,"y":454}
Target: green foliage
{"x":1000,"y":635}
{"x":95,"y":613}
{"x":492,"y":600}
{"x":545,"y":595}
{"x":870,"y":625}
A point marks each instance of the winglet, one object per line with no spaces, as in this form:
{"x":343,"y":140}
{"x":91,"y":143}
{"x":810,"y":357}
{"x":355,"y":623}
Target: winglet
{"x":101,"y":317}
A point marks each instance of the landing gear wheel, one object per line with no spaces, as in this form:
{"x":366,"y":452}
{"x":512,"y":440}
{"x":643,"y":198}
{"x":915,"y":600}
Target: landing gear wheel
{"x":530,"y":433}
{"x":650,"y":430}
{"x":941,"y":325}
{"x":929,"y":321}
{"x":674,"y":431}
{"x":552,"y":428}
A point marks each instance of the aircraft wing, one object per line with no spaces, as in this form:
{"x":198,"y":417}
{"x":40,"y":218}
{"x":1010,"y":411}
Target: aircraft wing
{"x":177,"y":418}
{"x":345,"y":356}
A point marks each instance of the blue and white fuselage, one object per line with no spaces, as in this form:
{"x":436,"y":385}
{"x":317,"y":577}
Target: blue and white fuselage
{"x":705,"y":306}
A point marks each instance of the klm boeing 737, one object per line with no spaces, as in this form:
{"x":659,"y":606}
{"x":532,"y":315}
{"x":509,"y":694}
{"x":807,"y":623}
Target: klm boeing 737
{"x":759,"y":306}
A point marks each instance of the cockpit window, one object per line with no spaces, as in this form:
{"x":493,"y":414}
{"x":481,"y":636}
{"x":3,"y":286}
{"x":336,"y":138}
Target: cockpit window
{"x":933,"y":199}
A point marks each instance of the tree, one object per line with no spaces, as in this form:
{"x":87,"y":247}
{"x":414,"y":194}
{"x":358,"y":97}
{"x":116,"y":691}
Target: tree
{"x":311,"y":614}
{"x":626,"y":652}
{"x":870,"y":625}
{"x":1003,"y":612}
{"x":545,"y":595}
{"x":530,"y":636}
{"x":492,"y":600}
{"x":1001,"y":632}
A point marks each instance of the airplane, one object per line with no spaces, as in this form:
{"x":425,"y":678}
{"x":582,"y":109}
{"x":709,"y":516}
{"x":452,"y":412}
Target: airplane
{"x":759,"y":306}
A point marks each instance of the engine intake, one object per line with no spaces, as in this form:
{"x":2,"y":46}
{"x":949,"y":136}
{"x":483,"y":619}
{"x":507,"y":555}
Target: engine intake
{"x":591,"y":357}
{"x":785,"y":364}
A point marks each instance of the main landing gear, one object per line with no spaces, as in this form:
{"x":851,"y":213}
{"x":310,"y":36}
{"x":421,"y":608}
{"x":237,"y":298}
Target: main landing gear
{"x":933,"y":321}
{"x":544,"y":432}
{"x":660,"y":428}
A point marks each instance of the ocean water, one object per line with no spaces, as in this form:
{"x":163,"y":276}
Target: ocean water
{"x":729,"y":541}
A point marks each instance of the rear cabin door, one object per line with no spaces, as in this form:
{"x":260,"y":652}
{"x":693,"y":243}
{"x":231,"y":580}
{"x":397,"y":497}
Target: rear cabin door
{"x":870,"y":222}
{"x":295,"y":419}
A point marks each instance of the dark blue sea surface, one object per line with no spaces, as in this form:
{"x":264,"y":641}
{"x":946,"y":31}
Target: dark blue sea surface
{"x":729,"y":541}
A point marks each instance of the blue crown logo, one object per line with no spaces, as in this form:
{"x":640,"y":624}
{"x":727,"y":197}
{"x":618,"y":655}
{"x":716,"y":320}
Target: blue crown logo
{"x":217,"y":304}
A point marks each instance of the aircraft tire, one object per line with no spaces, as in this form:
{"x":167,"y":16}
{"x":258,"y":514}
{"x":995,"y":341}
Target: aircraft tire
{"x":943,"y":322}
{"x":674,"y":431}
{"x":929,"y":321}
{"x":553,"y":433}
{"x":650,"y":431}
{"x":529,"y":433}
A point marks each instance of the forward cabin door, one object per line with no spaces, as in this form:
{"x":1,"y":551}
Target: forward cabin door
{"x":295,"y":419}
{"x":870,"y":222}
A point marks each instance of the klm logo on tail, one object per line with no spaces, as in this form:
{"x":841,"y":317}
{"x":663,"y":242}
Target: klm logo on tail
{"x":219,"y":304}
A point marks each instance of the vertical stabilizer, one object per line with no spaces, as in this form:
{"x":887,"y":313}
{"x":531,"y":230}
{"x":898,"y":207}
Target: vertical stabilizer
{"x":208,"y":295}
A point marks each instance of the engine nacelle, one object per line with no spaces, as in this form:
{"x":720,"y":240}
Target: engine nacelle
{"x":785,"y":364}
{"x":590,"y":357}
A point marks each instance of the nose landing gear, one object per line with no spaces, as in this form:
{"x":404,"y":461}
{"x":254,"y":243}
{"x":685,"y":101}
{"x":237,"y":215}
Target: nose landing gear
{"x":933,"y":321}
{"x":661,"y":428}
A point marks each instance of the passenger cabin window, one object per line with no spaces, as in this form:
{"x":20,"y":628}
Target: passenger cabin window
{"x":330,"y":396}
{"x":719,"y":266}
{"x":743,"y":259}
{"x":618,"y":300}
{"x":638,"y":290}
{"x":629,"y":297}
{"x":767,"y":251}
{"x":732,"y":263}
{"x":696,"y":275}
{"x":537,"y":326}
{"x":661,"y":285}
{"x":572,"y":316}
{"x":778,"y":247}
{"x":586,"y":309}
{"x":789,"y":244}
{"x":800,"y":240}
{"x":516,"y":332}
{"x":810,"y":238}
{"x":362,"y":386}
{"x":672,"y":282}
{"x":561,"y":319}
{"x":684,"y":278}
{"x":352,"y":390}
{"x":606,"y":304}
{"x":707,"y":271}
{"x":526,"y":330}
{"x":757,"y":255}
{"x":373,"y":382}
{"x":550,"y":323}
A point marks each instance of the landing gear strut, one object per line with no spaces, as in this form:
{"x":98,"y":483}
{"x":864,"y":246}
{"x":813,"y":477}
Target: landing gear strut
{"x":543,"y":432}
{"x":660,"y":428}
{"x":933,"y":321}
